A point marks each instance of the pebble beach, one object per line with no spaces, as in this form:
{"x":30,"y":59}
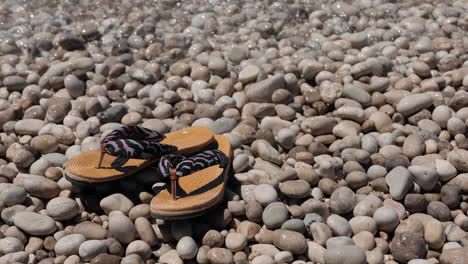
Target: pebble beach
{"x":347,"y":119}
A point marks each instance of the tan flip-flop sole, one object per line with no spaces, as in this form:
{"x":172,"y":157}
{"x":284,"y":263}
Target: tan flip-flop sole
{"x":163,"y":206}
{"x":84,"y":167}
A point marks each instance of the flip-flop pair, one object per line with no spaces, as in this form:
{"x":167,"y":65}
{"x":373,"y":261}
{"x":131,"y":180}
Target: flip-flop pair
{"x":197,"y":179}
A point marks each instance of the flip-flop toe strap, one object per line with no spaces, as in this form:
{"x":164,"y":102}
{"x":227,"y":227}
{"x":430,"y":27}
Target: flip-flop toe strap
{"x":174,"y":166}
{"x":135,"y":142}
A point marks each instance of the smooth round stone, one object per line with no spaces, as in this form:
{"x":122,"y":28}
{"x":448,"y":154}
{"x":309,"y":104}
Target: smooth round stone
{"x":44,"y":143}
{"x":342,"y":200}
{"x":406,"y":246}
{"x":263,"y":259}
{"x":29,"y":126}
{"x":122,"y":228}
{"x":34,"y":224}
{"x":295,"y":188}
{"x":157,"y":125}
{"x":339,"y":241}
{"x":13,"y":195}
{"x":363,"y":223}
{"x":386,"y":218}
{"x":376,"y":171}
{"x":240,"y":162}
{"x":236,"y":241}
{"x":275,"y":214}
{"x":445,"y":170}
{"x":320,"y":232}
{"x":450,"y":195}
{"x":291,"y":241}
{"x":187,"y":248}
{"x":296,"y":225}
{"x":283,"y":257}
{"x":10,"y":245}
{"x":22,"y":158}
{"x":105,"y":258}
{"x":214,"y":238}
{"x":438,"y":210}
{"x":415,"y":203}
{"x":140,"y":248}
{"x":286,"y":137}
{"x":364,"y":240}
{"x":265,"y":194}
{"x":223,"y":125}
{"x":434,"y":234}
{"x":69,"y":245}
{"x":62,"y":208}
{"x":459,"y":159}
{"x":339,"y":225}
{"x":420,"y":261}
{"x":145,"y":230}
{"x":367,"y":206}
{"x":116,"y":202}
{"x":91,"y":248}
{"x":345,"y":254}
{"x":254,"y":211}
{"x":413,"y":103}
{"x":249,"y":74}
{"x":8,"y":214}
{"x":74,"y":86}
{"x":90,"y":230}
{"x":220,"y":256}
{"x":425,"y":177}
{"x":399,"y":181}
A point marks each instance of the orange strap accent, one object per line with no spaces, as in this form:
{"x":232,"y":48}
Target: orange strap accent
{"x":103,"y":146}
{"x":174,"y":183}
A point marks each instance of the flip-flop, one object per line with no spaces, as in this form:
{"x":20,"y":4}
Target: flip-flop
{"x":197,"y":182}
{"x":129,"y":149}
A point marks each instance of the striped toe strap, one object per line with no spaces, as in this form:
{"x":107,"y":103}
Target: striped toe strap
{"x":173,"y":166}
{"x":133,"y":142}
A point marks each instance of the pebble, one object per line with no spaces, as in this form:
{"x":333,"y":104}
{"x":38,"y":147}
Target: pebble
{"x":187,"y":248}
{"x":291,"y":241}
{"x":74,"y":86}
{"x":34,"y":223}
{"x":116,"y":202}
{"x":295,"y":188}
{"x":62,"y":208}
{"x":406,"y":246}
{"x":122,"y":228}
{"x":342,"y":200}
{"x":265,"y":194}
{"x":275,"y":214}
{"x":91,"y":248}
{"x":249,"y":74}
{"x":37,"y":185}
{"x":13,"y":195}
{"x":345,"y":254}
{"x":413,"y":103}
{"x":10,"y":245}
{"x":294,"y":225}
{"x":262,"y":91}
{"x":236,"y":241}
{"x":69,"y":245}
{"x":44,"y":144}
{"x":320,"y":232}
{"x":457,"y":158}
{"x":425,"y":177}
{"x":90,"y":230}
{"x":454,"y":255}
{"x":220,"y":256}
{"x":140,"y":248}
{"x":399,"y":182}
{"x":386,"y":219}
